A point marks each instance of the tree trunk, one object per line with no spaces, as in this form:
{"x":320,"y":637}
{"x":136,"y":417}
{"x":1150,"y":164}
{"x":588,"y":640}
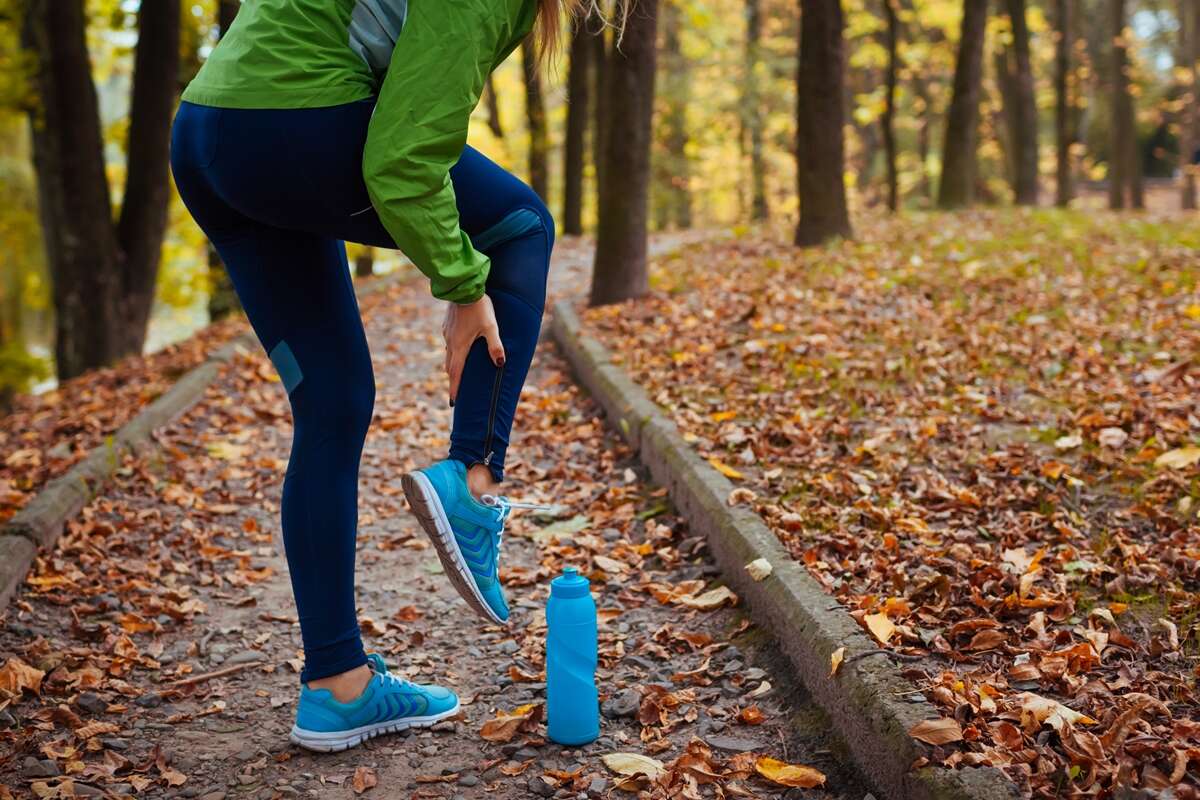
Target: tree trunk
{"x":1189,"y":122}
{"x":73,"y":200}
{"x":957,"y":187}
{"x":493,"y":106}
{"x":1123,"y":158}
{"x":600,"y":69}
{"x":924,"y":143}
{"x":820,"y":110}
{"x":535,"y":115}
{"x":752,"y":117}
{"x":1024,"y":111}
{"x":364,"y":263}
{"x":1063,"y":189}
{"x":578,"y":78}
{"x":143,"y":220}
{"x":222,"y":297}
{"x":620,"y":271}
{"x":676,"y":91}
{"x":887,"y":121}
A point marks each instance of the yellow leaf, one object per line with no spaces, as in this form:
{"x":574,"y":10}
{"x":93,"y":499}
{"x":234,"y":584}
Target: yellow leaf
{"x":1192,"y":311}
{"x":786,"y":774}
{"x":880,"y":626}
{"x":633,"y":764}
{"x":725,"y":469}
{"x":1178,"y":458}
{"x":721,"y":416}
{"x":937,"y":731}
{"x":835,"y":660}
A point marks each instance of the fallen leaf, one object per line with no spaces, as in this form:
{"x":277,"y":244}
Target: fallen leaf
{"x":16,"y":676}
{"x":1178,"y":458}
{"x":505,"y":726}
{"x":937,"y":731}
{"x":1114,"y":438}
{"x":710,"y":600}
{"x":785,"y":774}
{"x":759,"y":569}
{"x":752,"y":715}
{"x":725,"y":469}
{"x":364,"y":778}
{"x":629,"y":764}
{"x":880,"y":626}
{"x":1069,"y":442}
{"x":1037,"y":711}
{"x":835,"y":660}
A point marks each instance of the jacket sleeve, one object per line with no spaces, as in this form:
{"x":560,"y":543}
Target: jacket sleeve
{"x":418,"y":131}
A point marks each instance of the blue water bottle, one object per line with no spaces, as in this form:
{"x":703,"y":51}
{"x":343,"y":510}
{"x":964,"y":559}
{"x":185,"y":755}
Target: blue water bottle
{"x":572,"y":704}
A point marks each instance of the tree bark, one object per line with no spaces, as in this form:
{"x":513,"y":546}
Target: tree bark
{"x":600,"y":113}
{"x":364,"y":263}
{"x":1189,"y":122}
{"x":578,"y":78}
{"x":820,"y":116}
{"x":1122,"y":182}
{"x":73,"y":200}
{"x":887,"y":121}
{"x":620,"y":270}
{"x":1023,"y":114}
{"x":957,"y":187}
{"x":1063,"y":134}
{"x":674,"y":170}
{"x":493,"y":106}
{"x":143,"y":220}
{"x":535,"y":115}
{"x":752,"y":117}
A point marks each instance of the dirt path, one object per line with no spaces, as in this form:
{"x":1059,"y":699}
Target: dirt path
{"x":178,"y":572}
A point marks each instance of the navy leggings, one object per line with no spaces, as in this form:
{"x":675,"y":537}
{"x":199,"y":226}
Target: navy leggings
{"x":279,"y":192}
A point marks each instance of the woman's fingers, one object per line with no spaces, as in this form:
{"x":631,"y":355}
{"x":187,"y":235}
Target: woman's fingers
{"x":495,"y":346}
{"x":456,"y":360}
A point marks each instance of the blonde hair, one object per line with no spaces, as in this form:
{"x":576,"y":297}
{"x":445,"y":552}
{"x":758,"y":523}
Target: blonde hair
{"x":548,"y":28}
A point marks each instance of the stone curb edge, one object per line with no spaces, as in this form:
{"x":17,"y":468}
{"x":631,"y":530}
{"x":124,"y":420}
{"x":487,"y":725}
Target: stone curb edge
{"x":869,"y":702}
{"x":40,"y":522}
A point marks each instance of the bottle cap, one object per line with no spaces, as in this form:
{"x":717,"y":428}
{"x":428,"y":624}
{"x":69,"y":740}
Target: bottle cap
{"x":569,"y":585}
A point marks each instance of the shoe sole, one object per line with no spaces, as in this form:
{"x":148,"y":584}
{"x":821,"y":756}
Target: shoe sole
{"x":427,"y":507}
{"x":336,"y":741}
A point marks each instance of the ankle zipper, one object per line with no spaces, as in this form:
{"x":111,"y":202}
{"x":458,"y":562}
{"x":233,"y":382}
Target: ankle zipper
{"x":491,"y":427}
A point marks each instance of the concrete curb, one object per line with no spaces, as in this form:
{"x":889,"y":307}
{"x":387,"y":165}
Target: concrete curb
{"x":869,"y":702}
{"x":38,"y":525}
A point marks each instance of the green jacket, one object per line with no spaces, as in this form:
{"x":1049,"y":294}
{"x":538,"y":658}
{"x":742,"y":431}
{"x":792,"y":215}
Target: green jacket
{"x":425,"y":60}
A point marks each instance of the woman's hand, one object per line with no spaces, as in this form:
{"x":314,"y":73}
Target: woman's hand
{"x":462,"y":326}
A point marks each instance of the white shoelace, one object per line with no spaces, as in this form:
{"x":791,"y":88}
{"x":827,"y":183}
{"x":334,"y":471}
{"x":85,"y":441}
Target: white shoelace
{"x":503,"y":507}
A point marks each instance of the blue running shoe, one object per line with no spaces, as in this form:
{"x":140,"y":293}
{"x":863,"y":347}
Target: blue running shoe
{"x":466,"y":532}
{"x":388,"y":704}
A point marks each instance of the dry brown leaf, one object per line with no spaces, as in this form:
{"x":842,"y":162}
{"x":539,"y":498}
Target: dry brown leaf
{"x":759,"y":569}
{"x":505,"y":726}
{"x":364,"y":779}
{"x":16,"y":676}
{"x":937,"y":731}
{"x":710,"y":600}
{"x":630,"y":764}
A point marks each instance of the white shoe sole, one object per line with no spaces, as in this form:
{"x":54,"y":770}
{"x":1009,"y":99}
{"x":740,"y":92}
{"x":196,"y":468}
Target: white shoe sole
{"x":427,"y":507}
{"x":336,"y":741}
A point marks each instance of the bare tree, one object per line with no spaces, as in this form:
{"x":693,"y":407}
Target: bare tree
{"x":104,"y":271}
{"x":957,"y":187}
{"x":620,"y":269}
{"x":888,"y":120}
{"x":1125,"y":183}
{"x":1021,"y":108}
{"x":535,"y":115}
{"x":752,"y":114}
{"x":820,"y":104}
{"x":578,"y":80}
{"x":1063,"y":130}
{"x":1189,"y":122}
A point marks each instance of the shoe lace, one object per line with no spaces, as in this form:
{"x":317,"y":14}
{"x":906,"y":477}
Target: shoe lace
{"x":503,"y":506}
{"x":393,"y":681}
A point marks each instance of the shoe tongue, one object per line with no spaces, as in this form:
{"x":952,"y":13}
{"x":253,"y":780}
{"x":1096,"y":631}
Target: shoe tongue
{"x":375,"y":661}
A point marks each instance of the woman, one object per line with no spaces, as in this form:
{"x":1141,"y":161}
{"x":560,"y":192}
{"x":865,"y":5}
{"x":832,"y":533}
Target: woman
{"x":316,"y":122}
